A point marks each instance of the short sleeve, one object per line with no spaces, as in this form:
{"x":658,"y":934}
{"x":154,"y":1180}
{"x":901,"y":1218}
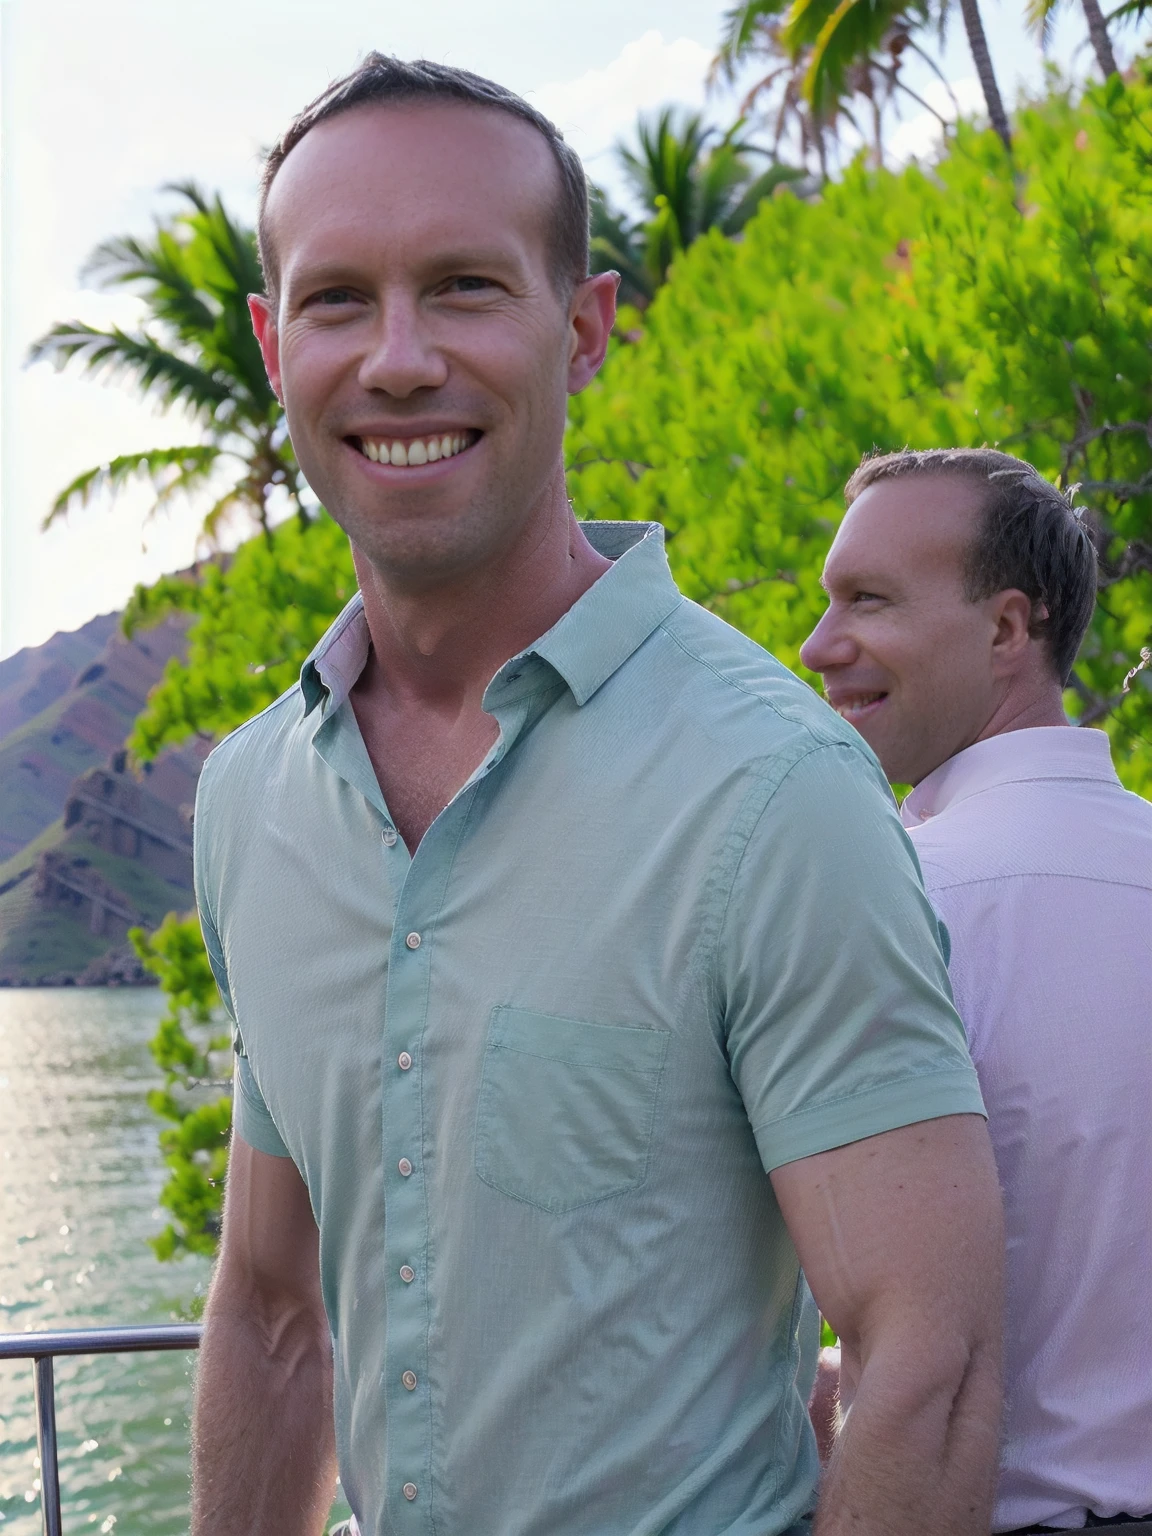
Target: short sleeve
{"x":251,"y":1119}
{"x":838,"y":1014}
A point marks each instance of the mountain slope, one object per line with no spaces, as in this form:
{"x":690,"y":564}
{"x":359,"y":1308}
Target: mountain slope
{"x":35,"y":677}
{"x":80,"y":727}
{"x":89,"y":847}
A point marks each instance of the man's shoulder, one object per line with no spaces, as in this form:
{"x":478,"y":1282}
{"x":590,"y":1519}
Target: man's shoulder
{"x":1090,"y":830}
{"x":246,"y":752}
{"x":729,"y":669}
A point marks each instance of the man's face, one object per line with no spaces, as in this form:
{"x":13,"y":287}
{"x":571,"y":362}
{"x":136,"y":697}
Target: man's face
{"x":420,"y":346}
{"x":905,"y":657}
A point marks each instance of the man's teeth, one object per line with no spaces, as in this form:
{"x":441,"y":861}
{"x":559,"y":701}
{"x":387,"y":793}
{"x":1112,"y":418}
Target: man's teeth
{"x":862,"y":701}
{"x":414,"y":450}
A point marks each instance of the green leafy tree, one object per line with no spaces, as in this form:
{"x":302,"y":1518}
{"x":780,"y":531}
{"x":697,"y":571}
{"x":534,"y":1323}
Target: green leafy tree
{"x":192,"y":1052}
{"x":195,"y":353}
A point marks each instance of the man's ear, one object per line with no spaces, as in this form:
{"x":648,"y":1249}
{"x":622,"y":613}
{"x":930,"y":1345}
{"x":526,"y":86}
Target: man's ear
{"x":1013,"y":614}
{"x":264,"y":324}
{"x":591,"y":318}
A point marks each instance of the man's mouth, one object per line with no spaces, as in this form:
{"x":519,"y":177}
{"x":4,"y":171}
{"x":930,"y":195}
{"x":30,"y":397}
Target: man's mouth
{"x":855,"y":707}
{"x":412,"y":452}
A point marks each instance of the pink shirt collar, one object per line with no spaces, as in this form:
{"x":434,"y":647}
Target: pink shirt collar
{"x":1014,"y":757}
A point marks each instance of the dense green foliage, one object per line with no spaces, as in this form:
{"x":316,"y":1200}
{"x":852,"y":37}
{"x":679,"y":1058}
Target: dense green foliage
{"x":258,"y":615}
{"x":191,"y":1050}
{"x":981,"y":301}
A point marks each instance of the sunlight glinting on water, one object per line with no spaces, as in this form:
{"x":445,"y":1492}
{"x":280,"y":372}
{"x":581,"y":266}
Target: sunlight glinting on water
{"x":80,"y":1174}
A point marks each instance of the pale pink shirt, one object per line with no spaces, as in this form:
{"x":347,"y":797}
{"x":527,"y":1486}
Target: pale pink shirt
{"x":1040,"y":864}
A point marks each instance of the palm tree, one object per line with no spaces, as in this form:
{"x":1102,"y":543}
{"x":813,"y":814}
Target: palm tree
{"x":687,"y":178}
{"x":1040,"y":13}
{"x":849,"y":48}
{"x":195,"y":351}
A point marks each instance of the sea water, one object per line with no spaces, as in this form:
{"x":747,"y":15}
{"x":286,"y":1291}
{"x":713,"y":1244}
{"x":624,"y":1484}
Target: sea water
{"x":80,"y":1175}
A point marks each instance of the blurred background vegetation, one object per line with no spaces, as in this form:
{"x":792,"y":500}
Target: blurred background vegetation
{"x":781,"y":317}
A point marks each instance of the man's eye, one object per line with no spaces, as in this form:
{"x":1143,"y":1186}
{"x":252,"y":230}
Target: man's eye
{"x":469,"y":284}
{"x":332,"y":297}
{"x":867,"y":597}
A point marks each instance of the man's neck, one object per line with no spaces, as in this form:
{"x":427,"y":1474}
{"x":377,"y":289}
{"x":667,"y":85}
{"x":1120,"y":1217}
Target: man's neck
{"x":1042,"y":706}
{"x":441,"y":646}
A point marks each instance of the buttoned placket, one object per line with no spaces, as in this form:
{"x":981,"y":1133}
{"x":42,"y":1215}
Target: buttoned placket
{"x":421,"y":883}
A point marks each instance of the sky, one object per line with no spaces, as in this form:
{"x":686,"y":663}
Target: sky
{"x":102,"y":102}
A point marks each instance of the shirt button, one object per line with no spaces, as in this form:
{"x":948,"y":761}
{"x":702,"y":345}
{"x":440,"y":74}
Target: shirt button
{"x":410,"y":1491}
{"x":389,"y":837}
{"x":409,"y":1380}
{"x":404,"y":1166}
{"x":407,"y":1274}
{"x":403,"y":1061}
{"x":413,"y":941}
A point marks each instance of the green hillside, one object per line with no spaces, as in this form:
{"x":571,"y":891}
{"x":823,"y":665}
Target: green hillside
{"x":40,"y":941}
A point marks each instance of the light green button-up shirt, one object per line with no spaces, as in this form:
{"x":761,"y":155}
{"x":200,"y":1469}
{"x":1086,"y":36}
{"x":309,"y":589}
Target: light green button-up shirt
{"x":669,"y":936}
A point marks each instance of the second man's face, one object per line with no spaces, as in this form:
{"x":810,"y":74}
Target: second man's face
{"x":420,"y":345}
{"x":905,"y":656}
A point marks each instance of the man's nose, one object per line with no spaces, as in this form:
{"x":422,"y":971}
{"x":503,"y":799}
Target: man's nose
{"x":829,"y":644}
{"x":403,"y":357}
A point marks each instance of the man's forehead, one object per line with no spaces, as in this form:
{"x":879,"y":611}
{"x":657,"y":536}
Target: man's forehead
{"x":900,"y":529}
{"x":436,"y":142}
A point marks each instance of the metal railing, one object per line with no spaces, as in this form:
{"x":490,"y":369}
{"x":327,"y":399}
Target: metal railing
{"x":42,"y":1349}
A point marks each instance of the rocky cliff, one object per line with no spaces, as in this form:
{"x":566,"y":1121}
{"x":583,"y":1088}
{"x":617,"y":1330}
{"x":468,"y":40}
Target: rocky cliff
{"x":89,"y":847}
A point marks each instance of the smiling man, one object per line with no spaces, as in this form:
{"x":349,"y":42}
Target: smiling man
{"x":960,"y":586}
{"x":582,"y":980}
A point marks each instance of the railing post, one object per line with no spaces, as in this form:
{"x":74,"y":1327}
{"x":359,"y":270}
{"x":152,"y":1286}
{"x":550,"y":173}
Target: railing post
{"x":46,"y":1445}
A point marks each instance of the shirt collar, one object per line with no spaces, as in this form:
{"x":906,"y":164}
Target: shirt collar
{"x":586,"y":645}
{"x":612,"y":619}
{"x":337,"y":659}
{"x":1014,"y":757}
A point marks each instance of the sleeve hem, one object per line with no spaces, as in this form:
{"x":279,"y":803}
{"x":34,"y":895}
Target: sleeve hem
{"x":252,"y":1122}
{"x":868,"y":1113}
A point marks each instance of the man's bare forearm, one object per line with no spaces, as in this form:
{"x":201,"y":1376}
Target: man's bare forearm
{"x":911,"y":1461}
{"x":263,"y":1454}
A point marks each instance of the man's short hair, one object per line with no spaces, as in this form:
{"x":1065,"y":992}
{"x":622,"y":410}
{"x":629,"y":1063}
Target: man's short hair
{"x":387,"y":81}
{"x":1030,"y":537}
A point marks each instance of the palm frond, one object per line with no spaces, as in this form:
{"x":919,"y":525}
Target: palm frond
{"x":195,"y":274}
{"x":1039,"y":17}
{"x":617,"y":245}
{"x":739,"y":30}
{"x":236,"y":499}
{"x":174,"y":380}
{"x":840,"y":36}
{"x":159,"y":270}
{"x":169,"y":469}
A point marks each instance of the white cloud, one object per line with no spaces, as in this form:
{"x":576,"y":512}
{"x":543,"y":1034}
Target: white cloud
{"x":919,"y":137}
{"x":602,"y":105}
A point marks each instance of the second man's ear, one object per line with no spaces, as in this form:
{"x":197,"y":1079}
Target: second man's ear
{"x":1014,"y":613}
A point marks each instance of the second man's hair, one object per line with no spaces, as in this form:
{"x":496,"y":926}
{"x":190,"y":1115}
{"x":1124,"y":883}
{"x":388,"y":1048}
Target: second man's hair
{"x":1030,"y":536}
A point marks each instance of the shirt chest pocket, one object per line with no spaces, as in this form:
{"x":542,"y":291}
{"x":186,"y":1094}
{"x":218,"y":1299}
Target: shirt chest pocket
{"x":566,"y":1109}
